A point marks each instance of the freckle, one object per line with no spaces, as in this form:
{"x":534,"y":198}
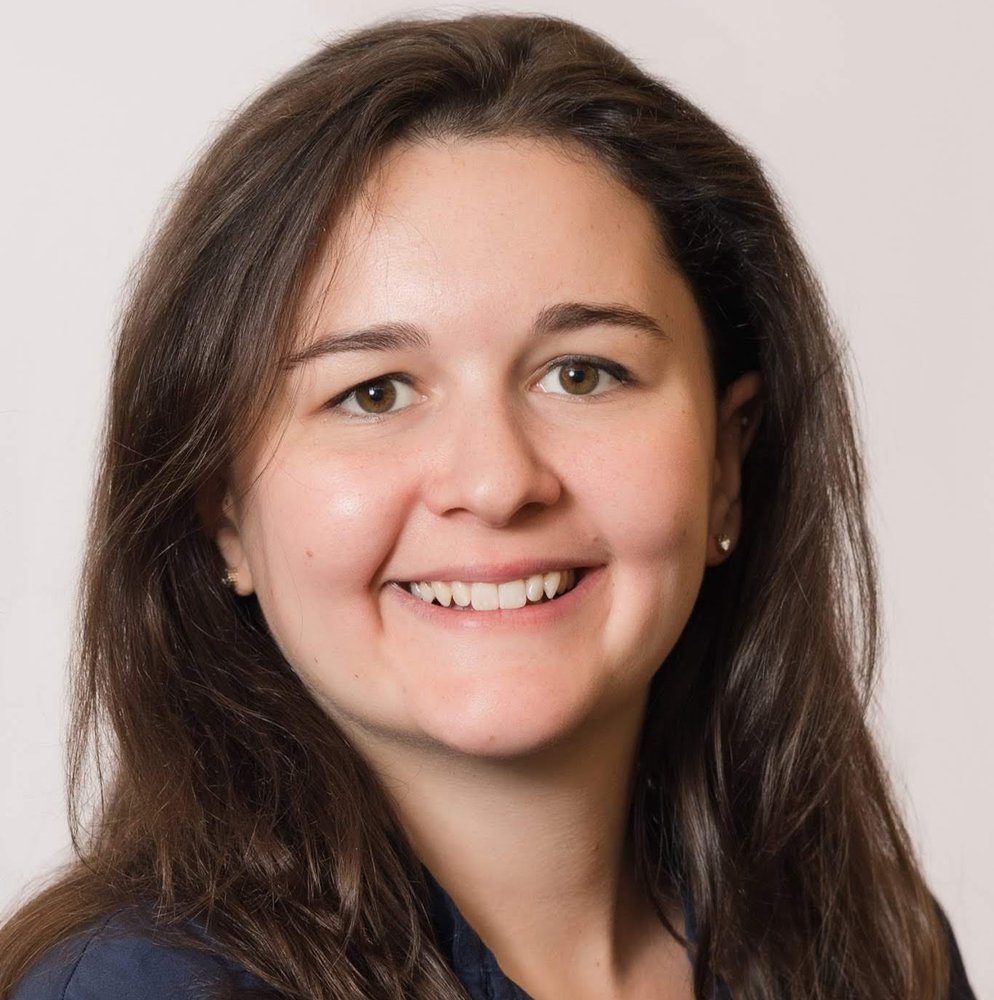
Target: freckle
{"x":310,"y":555}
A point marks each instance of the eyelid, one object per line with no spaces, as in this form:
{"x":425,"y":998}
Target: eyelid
{"x":336,"y":402}
{"x":616,"y":371}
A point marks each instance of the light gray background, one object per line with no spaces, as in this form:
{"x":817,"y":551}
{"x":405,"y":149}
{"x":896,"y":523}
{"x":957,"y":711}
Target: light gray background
{"x":873,"y":120}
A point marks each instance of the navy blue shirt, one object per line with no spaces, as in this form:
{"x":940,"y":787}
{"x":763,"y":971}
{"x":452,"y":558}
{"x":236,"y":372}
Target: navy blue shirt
{"x":120,"y":958}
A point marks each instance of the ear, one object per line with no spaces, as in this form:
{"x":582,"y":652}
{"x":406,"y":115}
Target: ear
{"x":738,"y":417}
{"x":221,"y":517}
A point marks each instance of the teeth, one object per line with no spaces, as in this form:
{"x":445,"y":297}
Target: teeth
{"x":484,"y":596}
{"x":512,"y":594}
{"x":535,"y":587}
{"x":491,"y":596}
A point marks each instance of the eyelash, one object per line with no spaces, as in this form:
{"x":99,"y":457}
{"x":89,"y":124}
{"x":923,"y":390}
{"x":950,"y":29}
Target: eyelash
{"x":617,"y":371}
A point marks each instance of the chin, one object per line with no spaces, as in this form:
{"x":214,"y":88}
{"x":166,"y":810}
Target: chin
{"x":500,"y":727}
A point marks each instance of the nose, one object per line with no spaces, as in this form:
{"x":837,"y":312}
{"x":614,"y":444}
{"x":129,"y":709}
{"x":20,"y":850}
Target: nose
{"x":486,"y":463}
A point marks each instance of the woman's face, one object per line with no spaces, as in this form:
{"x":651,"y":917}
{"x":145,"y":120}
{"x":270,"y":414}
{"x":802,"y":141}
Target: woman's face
{"x":536,"y":397}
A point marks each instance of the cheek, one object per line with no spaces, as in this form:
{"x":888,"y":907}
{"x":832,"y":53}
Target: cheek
{"x":650,"y":490}
{"x":319,"y":531}
{"x":649,"y":496}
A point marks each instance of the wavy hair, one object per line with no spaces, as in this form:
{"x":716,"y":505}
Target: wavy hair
{"x":203,"y":777}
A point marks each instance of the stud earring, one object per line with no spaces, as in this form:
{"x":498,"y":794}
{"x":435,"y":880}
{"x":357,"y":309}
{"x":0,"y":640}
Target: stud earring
{"x":230,"y":578}
{"x":724,"y":542}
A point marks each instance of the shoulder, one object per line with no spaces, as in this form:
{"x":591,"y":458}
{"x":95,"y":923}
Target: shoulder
{"x":125,"y":957}
{"x":959,"y":986}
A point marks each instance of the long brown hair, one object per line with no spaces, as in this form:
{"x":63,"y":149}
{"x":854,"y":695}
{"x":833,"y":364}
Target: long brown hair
{"x":223,"y":792}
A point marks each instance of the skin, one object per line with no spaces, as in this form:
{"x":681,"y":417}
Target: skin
{"x":507,"y":750}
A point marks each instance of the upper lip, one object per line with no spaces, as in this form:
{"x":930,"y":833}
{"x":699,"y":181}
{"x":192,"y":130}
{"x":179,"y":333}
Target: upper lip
{"x":494,"y":572}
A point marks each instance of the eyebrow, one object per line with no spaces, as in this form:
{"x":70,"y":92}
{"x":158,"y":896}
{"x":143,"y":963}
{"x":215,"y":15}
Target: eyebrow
{"x":560,"y":318}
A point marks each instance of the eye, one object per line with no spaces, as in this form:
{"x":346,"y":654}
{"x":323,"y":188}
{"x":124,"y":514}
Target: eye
{"x":386,"y":394}
{"x":583,"y":377}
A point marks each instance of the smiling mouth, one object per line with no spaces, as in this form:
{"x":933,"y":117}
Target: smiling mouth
{"x":458,"y":596}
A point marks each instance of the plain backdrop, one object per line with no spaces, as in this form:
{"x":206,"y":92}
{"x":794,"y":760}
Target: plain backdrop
{"x":873,"y":121}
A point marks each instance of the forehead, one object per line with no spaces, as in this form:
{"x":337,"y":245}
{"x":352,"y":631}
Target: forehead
{"x":474,"y":231}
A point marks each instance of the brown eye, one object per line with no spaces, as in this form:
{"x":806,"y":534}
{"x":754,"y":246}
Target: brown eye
{"x":578,"y":379}
{"x":376,"y":397}
{"x":583,"y":377}
{"x":380,"y":397}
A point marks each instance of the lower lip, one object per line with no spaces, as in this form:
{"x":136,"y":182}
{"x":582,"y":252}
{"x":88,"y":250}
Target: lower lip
{"x":545,"y":613}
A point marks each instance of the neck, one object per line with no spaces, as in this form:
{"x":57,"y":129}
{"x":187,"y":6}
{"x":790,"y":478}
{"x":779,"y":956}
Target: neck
{"x":535,"y":852}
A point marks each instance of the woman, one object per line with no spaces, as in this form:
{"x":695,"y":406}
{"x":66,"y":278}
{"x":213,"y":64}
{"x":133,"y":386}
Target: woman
{"x":479,"y":593}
